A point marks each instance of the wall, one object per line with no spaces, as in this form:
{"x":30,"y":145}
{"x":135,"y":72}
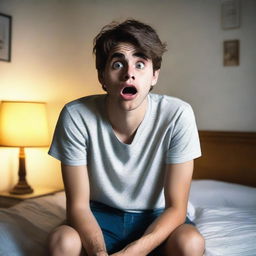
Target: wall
{"x":52,"y":61}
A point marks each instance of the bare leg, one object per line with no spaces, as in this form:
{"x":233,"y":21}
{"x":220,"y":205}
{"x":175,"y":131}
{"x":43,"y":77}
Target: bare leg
{"x":64,"y":240}
{"x":184,"y":241}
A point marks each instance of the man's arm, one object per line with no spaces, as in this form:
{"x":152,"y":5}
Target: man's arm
{"x":176,"y":188}
{"x":79,"y":214}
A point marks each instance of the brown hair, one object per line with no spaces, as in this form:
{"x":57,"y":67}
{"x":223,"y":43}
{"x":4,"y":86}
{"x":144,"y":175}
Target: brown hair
{"x":137,"y":33}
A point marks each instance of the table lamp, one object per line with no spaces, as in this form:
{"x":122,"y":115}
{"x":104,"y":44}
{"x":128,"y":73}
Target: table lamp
{"x":23,"y":124}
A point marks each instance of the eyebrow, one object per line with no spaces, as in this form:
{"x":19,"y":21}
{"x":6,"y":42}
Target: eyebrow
{"x":119,"y":55}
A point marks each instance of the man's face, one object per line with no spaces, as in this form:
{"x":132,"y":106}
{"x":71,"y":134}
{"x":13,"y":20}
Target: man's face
{"x":128,"y":76}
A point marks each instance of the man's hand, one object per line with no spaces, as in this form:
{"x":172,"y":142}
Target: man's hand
{"x":130,"y":250}
{"x":120,"y":253}
{"x":125,"y":253}
{"x":102,"y":253}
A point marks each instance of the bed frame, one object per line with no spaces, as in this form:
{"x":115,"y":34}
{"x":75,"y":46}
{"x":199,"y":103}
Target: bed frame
{"x":227,"y":156}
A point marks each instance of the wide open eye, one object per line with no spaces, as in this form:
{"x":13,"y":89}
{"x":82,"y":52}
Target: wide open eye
{"x":140,"y":65}
{"x":117,"y":65}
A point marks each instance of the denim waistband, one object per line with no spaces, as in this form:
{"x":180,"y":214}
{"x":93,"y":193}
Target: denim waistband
{"x":101,"y":206}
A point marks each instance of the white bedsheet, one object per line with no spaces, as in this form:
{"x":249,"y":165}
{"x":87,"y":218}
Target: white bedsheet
{"x":229,"y":231}
{"x":225,"y":214}
{"x":24,"y":227}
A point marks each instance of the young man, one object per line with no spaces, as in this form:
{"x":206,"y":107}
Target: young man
{"x":127,"y":156}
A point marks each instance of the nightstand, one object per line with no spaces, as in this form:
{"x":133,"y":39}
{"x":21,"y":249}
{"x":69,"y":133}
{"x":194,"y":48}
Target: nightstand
{"x":8,"y":200}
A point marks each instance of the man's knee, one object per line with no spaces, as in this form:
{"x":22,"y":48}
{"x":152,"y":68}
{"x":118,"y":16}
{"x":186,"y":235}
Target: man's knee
{"x":64,"y":240}
{"x":185,"y":241}
{"x":192,"y":243}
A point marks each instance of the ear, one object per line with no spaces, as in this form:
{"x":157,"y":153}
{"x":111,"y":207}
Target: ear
{"x":155,"y":77}
{"x":101,"y":80}
{"x":101,"y":77}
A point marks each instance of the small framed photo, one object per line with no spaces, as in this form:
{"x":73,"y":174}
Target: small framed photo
{"x":230,"y":14}
{"x":5,"y":37}
{"x":231,"y":53}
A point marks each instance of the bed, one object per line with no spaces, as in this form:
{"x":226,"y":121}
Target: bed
{"x":222,"y":202}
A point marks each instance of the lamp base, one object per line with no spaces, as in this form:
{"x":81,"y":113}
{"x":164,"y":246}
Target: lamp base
{"x":22,"y":188}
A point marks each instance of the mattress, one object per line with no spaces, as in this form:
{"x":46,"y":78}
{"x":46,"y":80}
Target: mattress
{"x":224,"y":213}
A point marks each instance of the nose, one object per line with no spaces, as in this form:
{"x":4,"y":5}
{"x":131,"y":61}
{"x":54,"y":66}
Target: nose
{"x":129,"y":73}
{"x":127,"y":77}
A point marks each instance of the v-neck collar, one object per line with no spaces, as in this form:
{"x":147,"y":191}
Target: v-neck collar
{"x":139,"y":130}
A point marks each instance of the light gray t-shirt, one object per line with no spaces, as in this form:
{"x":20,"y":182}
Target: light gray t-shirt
{"x":126,"y":176}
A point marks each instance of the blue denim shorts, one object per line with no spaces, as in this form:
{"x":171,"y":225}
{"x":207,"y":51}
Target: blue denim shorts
{"x":121,"y":228}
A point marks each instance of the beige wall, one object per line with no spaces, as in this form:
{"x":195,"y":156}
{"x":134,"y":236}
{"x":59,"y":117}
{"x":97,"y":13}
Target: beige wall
{"x":52,"y":62}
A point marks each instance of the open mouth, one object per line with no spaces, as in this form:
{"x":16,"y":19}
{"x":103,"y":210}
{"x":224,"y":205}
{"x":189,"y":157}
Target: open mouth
{"x":129,"y":90}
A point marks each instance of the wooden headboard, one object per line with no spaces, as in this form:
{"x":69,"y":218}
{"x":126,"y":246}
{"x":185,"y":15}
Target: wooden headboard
{"x":227,"y":156}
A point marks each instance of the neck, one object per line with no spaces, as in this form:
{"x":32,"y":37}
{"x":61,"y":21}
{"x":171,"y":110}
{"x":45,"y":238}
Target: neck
{"x":125,"y":123}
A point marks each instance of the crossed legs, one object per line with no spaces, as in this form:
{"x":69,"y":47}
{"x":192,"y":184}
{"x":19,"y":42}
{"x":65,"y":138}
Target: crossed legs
{"x":183,"y":241}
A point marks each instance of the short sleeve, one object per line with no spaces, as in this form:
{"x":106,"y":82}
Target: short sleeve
{"x":69,"y":139}
{"x":184,"y":143}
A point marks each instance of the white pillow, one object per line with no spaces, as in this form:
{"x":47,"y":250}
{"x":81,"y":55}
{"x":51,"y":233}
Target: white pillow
{"x":212,"y":193}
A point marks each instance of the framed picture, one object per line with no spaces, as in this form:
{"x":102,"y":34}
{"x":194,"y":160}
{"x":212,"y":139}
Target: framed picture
{"x":231,"y":53}
{"x":5,"y":37}
{"x":230,"y":14}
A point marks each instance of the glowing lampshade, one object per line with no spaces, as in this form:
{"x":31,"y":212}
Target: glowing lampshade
{"x":23,"y":124}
